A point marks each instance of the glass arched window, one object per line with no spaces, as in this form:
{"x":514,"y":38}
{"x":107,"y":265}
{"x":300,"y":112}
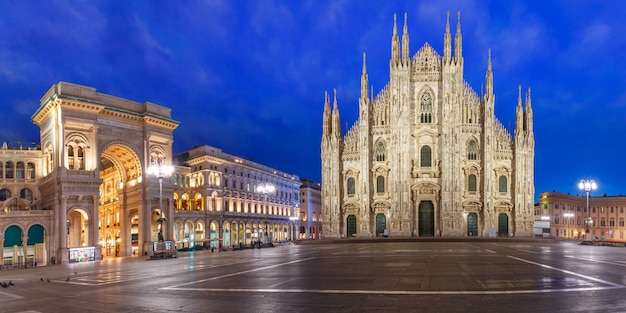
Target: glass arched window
{"x":8,"y":170}
{"x":351,"y":186}
{"x":26,"y":194}
{"x":426,"y":160}
{"x":502,"y":184}
{"x":183,"y":202}
{"x":81,"y":159}
{"x":380,"y":184}
{"x":472,"y":150}
{"x":70,"y":157}
{"x":5,"y":194}
{"x":426,"y":107}
{"x":199,"y":202}
{"x":471,"y":183}
{"x":380,"y":151}
{"x":20,"y":170}
{"x":1,"y":170}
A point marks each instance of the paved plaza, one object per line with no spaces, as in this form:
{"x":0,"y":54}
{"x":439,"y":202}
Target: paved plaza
{"x":348,"y":276}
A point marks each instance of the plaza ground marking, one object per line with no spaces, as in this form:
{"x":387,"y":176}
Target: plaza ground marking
{"x":4,"y":296}
{"x":176,"y":287}
{"x":395,"y":292}
{"x":614,"y":285}
{"x":618,"y":263}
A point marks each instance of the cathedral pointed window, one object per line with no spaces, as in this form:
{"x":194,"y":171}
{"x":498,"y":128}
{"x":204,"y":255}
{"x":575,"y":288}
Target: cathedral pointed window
{"x":380,"y":184}
{"x":426,"y":107}
{"x":471,"y":183}
{"x":472,"y":150}
{"x":426,"y":157}
{"x":351,"y":186}
{"x":502,"y":184}
{"x":380,"y":152}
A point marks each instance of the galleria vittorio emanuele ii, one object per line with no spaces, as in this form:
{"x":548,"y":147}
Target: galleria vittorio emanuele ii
{"x":103,"y":182}
{"x":427,"y":156}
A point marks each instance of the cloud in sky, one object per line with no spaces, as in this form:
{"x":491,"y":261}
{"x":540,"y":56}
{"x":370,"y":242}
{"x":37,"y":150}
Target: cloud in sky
{"x":249,"y":76}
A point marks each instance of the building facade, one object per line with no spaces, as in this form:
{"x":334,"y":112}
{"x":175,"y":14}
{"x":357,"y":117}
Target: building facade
{"x":85,"y":192}
{"x":222,"y":198}
{"x":427,"y":156}
{"x":310,"y":210}
{"x":570,"y":218}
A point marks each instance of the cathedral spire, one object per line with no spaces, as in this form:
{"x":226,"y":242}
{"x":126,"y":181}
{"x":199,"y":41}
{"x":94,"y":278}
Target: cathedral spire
{"x":447,"y":41}
{"x":336,"y":121}
{"x":326,"y":127}
{"x":405,"y":42}
{"x":364,"y":80}
{"x":519,"y":119}
{"x":489,"y":77}
{"x":528,"y":113}
{"x":458,"y":41}
{"x":395,"y":43}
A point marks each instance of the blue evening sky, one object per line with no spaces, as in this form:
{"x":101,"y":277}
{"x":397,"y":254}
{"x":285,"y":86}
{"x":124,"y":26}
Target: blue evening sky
{"x":249,"y":76}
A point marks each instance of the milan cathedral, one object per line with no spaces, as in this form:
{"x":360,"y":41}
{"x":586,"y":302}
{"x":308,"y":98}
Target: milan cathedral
{"x":427,"y":156}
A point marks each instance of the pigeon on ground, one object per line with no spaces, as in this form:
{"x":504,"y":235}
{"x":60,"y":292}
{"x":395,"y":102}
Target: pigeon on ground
{"x":41,"y":279}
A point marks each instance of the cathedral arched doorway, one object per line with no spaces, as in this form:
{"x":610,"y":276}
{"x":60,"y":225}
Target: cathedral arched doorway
{"x":381,"y":224}
{"x":503,"y":225}
{"x":351,"y":226}
{"x":472,"y":224}
{"x":426,"y":216}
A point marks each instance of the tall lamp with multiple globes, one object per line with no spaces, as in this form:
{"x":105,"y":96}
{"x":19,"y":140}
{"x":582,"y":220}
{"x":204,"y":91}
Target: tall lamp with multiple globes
{"x":587,"y":186}
{"x":160,"y":170}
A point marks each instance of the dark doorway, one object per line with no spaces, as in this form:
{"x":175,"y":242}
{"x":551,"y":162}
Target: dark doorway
{"x":381,"y":224}
{"x":503,"y":225}
{"x":426,"y":217}
{"x":472,"y":224}
{"x":351,"y":226}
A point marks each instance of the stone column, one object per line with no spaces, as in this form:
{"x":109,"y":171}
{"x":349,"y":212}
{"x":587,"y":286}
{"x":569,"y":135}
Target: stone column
{"x":63,"y":252}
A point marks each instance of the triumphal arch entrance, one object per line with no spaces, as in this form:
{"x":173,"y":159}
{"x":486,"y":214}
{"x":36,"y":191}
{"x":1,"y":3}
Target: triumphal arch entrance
{"x":96,"y":151}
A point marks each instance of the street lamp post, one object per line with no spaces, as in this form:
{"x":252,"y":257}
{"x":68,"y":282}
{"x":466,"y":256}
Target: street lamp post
{"x":568,"y":216}
{"x":161,"y":170}
{"x":266,"y":189}
{"x":587,"y":186}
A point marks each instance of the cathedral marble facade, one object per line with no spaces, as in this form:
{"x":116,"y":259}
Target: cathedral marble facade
{"x":427,"y":156}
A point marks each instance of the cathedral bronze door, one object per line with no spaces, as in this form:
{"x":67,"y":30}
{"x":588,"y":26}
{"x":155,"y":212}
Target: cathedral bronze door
{"x":351,"y":226}
{"x":381,"y":224}
{"x":472,"y":224}
{"x":503,"y":225}
{"x":426,"y":217}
